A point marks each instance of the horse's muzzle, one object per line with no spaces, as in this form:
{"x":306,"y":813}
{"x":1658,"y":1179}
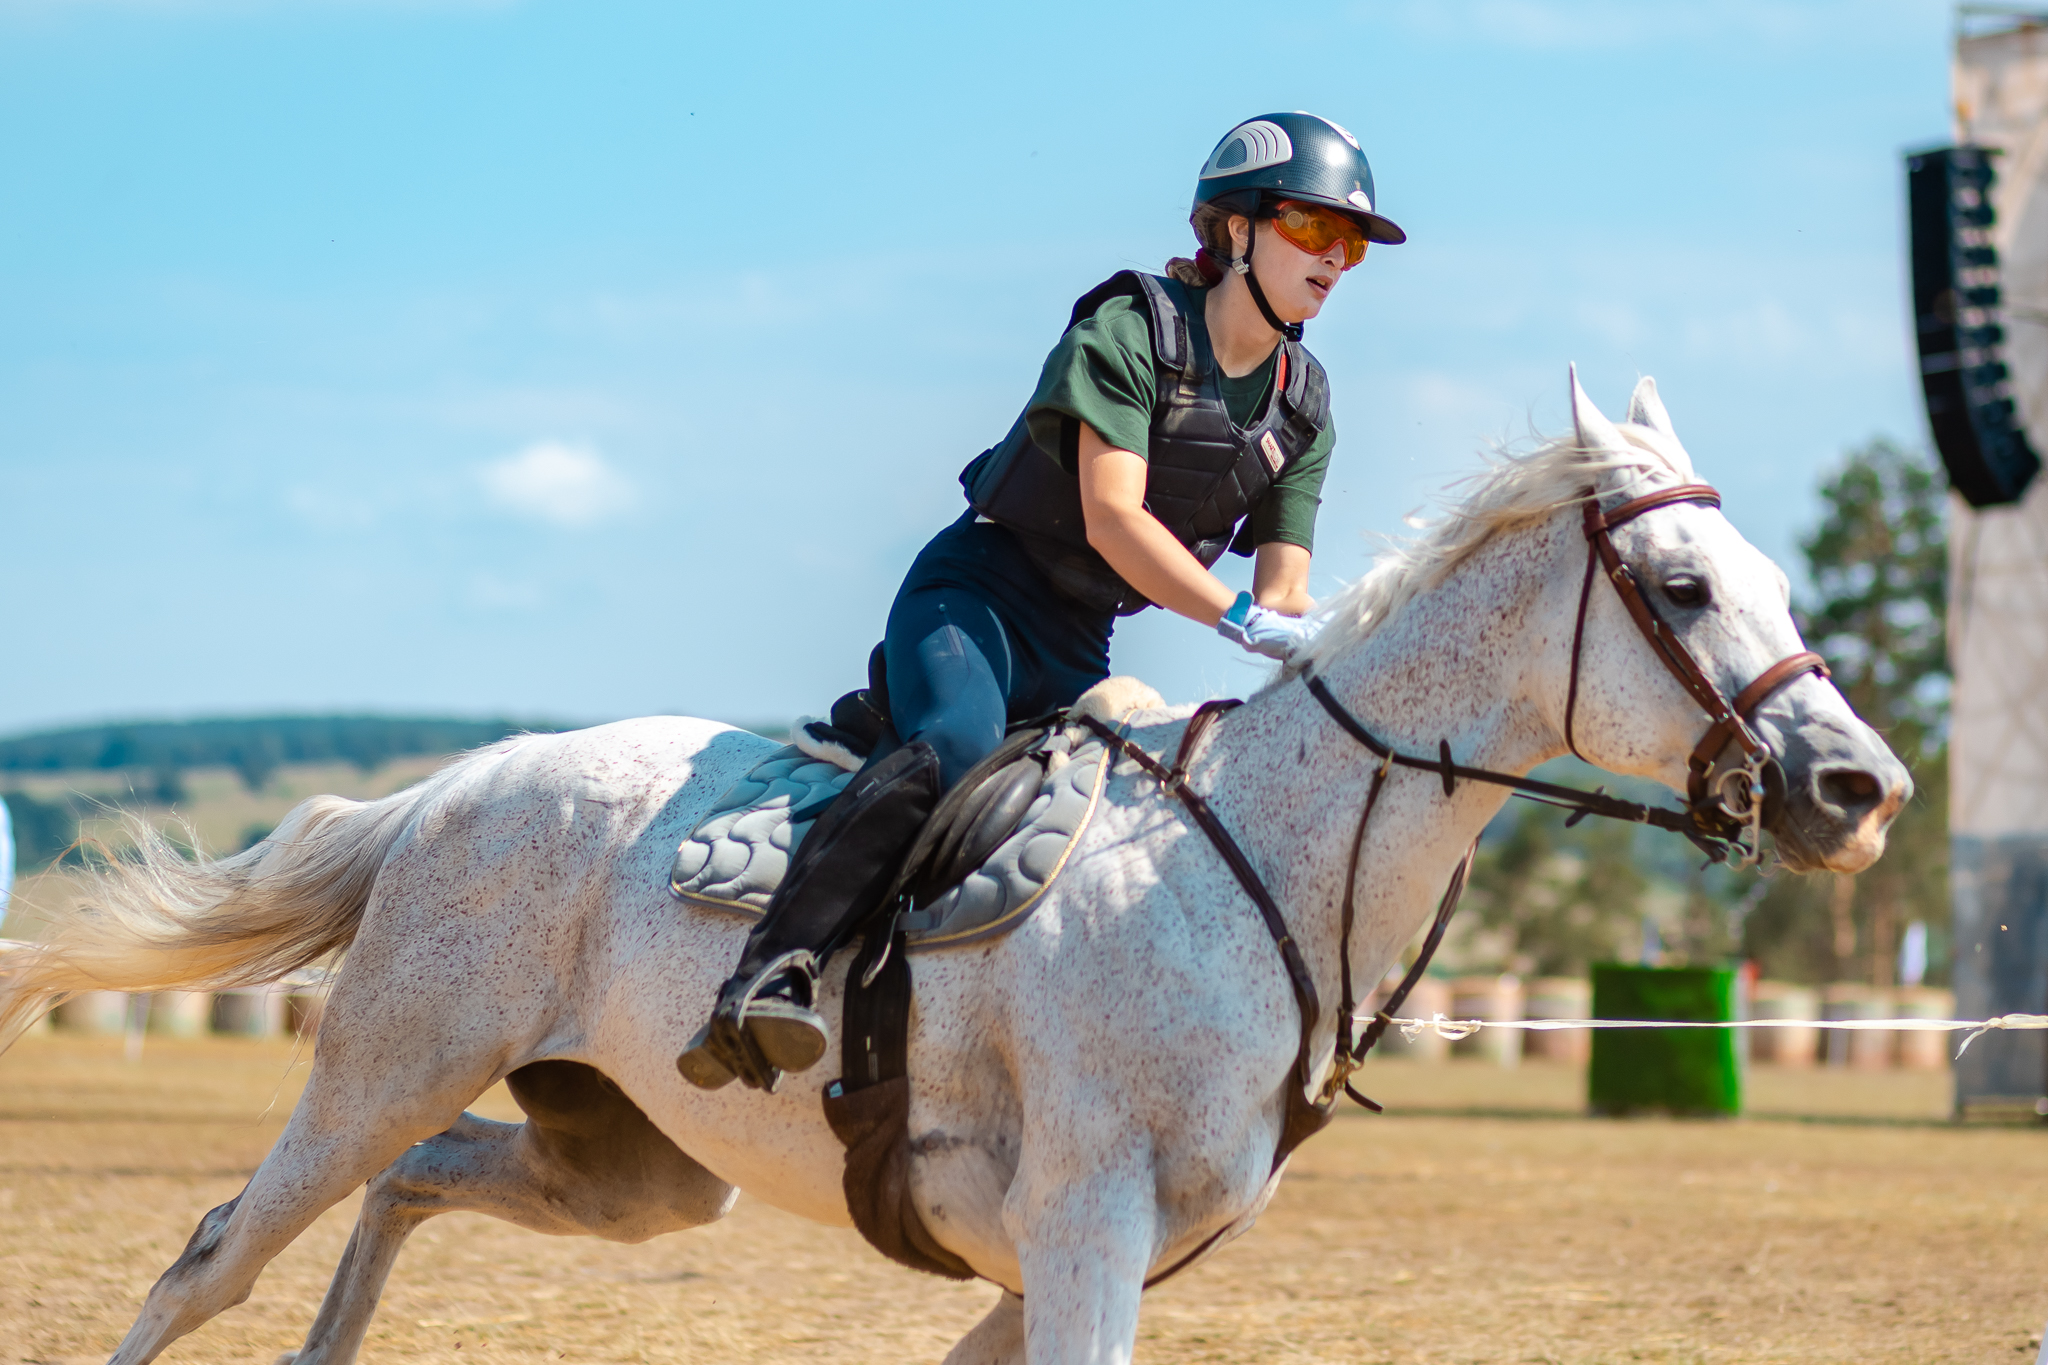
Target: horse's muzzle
{"x":1843,"y":789}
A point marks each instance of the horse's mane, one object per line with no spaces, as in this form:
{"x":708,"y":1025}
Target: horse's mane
{"x":1512,"y":491}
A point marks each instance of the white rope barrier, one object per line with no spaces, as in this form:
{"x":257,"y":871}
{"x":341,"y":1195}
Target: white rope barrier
{"x":1454,"y":1029}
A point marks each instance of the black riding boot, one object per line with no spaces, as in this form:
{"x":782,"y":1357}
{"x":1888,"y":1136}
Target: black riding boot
{"x":765,"y":1022}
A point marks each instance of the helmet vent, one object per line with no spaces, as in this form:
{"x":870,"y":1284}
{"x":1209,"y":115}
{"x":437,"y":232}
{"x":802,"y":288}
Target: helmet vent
{"x":1250,"y":146}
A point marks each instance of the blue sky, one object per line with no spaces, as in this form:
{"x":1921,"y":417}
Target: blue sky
{"x":598,"y":359}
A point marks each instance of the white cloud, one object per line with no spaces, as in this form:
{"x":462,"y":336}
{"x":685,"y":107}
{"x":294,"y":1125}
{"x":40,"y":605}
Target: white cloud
{"x":554,"y":482}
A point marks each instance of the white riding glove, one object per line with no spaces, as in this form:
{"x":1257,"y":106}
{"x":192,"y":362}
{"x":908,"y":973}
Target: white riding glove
{"x":1263,"y":631}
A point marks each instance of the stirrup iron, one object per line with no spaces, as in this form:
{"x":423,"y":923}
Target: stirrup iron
{"x":756,"y":1039}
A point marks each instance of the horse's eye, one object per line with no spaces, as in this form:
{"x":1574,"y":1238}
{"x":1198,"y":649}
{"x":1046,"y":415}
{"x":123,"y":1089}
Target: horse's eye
{"x":1685,"y":591}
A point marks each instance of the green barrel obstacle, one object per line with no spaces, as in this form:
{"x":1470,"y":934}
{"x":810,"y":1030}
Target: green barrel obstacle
{"x":1675,"y":1071}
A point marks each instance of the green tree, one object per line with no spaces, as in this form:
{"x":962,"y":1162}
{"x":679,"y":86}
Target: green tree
{"x":1878,"y":562}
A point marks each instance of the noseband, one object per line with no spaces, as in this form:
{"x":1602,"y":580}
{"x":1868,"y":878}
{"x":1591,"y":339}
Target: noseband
{"x":1734,"y":803}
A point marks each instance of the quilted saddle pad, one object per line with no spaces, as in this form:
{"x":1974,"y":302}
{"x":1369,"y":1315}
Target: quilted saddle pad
{"x":735,"y":857}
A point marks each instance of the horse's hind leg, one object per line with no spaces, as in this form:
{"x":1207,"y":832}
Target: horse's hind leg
{"x":348,"y":1125}
{"x":586,"y":1162}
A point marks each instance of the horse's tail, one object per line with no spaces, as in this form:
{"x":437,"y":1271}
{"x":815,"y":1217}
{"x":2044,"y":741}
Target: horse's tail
{"x":157,"y":920}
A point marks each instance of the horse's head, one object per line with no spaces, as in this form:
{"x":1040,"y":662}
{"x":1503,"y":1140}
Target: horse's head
{"x":1831,"y":785}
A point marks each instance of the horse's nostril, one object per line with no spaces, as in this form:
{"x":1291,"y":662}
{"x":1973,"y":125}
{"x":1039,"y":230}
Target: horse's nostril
{"x":1850,"y":788}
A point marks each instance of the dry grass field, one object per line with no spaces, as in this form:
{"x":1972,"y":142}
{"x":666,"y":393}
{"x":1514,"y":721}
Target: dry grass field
{"x":1482,"y":1220}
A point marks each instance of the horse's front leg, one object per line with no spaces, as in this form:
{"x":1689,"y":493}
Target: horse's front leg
{"x":1085,"y":1234}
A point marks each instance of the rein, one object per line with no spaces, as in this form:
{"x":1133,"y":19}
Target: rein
{"x":1715,"y":820}
{"x":1550,"y":793}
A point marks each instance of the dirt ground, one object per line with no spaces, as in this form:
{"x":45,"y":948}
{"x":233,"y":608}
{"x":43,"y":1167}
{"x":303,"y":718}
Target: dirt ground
{"x":1482,"y":1220}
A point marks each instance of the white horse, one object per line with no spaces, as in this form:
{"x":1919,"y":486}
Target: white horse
{"x":1095,"y":1095}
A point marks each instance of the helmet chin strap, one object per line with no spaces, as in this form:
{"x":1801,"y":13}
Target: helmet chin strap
{"x":1243,"y":266}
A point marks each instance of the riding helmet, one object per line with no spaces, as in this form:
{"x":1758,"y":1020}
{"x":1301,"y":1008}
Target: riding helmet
{"x":1293,"y":156}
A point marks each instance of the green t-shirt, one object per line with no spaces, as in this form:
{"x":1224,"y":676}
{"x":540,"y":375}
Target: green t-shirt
{"x":1102,"y":373}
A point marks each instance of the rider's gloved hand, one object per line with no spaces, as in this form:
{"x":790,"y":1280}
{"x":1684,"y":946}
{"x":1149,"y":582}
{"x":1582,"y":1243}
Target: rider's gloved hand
{"x":1262,"y":631}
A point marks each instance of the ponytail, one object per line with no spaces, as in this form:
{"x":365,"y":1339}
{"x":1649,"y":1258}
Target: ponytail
{"x":1212,"y":229}
{"x":1200,"y":273}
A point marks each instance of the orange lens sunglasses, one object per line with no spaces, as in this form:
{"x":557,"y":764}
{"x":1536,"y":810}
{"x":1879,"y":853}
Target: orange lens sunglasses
{"x":1314,"y":229}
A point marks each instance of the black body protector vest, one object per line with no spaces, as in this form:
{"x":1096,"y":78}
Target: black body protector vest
{"x":1204,"y":473}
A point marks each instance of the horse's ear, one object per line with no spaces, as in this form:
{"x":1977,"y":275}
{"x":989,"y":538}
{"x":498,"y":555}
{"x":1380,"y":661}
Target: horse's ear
{"x":1594,"y":430}
{"x":1646,"y":409}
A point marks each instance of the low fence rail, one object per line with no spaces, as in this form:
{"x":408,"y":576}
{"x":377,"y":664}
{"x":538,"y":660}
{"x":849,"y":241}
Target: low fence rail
{"x":1505,"y":1020}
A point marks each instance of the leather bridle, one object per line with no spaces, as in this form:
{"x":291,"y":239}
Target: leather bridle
{"x":1731,"y":807}
{"x":1724,"y":818}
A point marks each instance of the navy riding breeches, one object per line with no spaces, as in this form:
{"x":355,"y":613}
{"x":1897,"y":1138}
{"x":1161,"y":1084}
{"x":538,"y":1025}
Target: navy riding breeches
{"x":978,"y":639}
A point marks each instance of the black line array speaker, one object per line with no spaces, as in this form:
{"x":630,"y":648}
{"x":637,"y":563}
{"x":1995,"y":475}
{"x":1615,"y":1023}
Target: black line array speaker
{"x":1956,"y":307}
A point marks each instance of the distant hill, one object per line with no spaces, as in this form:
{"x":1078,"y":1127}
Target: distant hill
{"x":254,"y":748}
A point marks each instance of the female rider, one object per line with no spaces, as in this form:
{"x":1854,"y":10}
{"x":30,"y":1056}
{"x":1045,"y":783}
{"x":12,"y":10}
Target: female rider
{"x":1179,"y":416}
